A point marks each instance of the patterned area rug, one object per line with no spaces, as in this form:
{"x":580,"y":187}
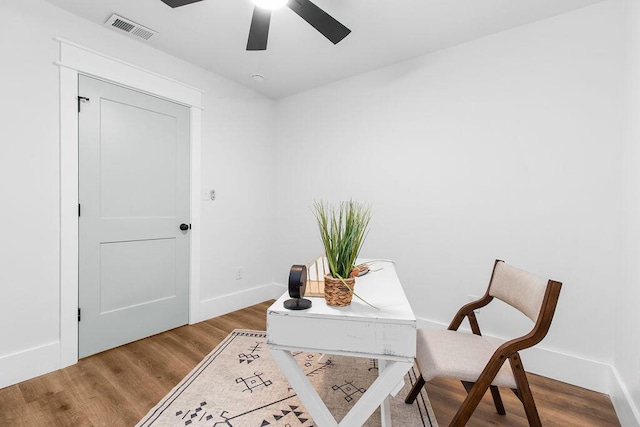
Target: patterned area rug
{"x":239,"y":385}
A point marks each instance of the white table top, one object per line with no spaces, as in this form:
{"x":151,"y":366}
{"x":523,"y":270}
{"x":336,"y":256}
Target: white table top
{"x":387,"y":331}
{"x":380,"y":287}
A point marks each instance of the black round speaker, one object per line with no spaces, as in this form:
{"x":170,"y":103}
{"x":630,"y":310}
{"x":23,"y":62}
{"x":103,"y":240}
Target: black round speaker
{"x":297,"y":286}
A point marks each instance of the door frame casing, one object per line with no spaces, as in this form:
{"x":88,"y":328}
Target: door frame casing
{"x":75,"y":60}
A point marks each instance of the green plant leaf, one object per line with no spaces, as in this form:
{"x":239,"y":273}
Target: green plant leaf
{"x":343,"y":230}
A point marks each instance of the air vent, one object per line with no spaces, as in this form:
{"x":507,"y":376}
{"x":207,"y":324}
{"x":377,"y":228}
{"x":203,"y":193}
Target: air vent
{"x":128,"y":26}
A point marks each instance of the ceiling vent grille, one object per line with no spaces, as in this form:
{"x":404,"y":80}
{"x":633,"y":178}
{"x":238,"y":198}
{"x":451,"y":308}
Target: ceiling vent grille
{"x":130,"y":27}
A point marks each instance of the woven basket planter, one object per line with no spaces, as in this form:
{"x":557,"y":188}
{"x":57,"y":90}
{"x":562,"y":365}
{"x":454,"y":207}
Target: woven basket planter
{"x":336,"y":293}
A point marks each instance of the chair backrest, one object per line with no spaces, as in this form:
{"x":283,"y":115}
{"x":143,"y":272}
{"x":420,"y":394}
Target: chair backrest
{"x":518,"y":288}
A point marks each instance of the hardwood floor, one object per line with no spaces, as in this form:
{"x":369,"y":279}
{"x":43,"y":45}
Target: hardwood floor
{"x":117,"y":387}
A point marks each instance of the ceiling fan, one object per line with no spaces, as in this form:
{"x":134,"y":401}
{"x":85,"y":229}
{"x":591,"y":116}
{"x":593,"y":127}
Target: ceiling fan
{"x":259,"y":30}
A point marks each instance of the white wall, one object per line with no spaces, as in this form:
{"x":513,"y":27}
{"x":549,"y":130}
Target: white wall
{"x":626,"y":382}
{"x":505,"y":147}
{"x":237,"y":159}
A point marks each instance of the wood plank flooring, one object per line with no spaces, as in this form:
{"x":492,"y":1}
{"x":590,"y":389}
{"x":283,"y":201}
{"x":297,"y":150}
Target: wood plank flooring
{"x":117,"y":387}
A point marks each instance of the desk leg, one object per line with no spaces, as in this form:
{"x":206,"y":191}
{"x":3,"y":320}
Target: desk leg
{"x":385,"y":407}
{"x":376,"y":394}
{"x":305,"y":391}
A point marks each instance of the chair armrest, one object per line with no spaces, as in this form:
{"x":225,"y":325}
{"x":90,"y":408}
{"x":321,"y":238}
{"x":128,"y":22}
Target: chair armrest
{"x":467,"y":310}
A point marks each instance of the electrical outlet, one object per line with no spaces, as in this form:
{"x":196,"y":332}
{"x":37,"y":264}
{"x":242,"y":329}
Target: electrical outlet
{"x":239,"y":273}
{"x":207,"y":195}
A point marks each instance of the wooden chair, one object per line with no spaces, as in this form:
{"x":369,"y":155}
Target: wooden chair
{"x":480,"y":363}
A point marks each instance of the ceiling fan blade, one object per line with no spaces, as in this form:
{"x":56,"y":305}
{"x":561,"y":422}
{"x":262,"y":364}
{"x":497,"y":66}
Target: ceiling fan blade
{"x":320,"y":20}
{"x":259,"y":31}
{"x":178,"y":3}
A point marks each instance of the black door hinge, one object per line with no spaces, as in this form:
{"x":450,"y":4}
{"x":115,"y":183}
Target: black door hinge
{"x":82,"y":99}
{"x":79,"y":209}
{"x":79,"y":315}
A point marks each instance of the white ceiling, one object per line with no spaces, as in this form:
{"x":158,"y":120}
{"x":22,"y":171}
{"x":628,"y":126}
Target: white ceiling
{"x":213,"y":34}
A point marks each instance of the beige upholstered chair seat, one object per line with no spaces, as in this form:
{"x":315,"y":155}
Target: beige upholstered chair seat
{"x":459,"y":355}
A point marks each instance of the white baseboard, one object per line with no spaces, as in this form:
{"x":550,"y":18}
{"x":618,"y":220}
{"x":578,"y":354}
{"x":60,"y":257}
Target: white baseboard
{"x":27,"y":364}
{"x":585,"y":373}
{"x":627,"y":411}
{"x":31,"y":363}
{"x":231,"y":302}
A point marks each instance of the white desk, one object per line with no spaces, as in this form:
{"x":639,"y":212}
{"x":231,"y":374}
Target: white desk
{"x":387,"y":334}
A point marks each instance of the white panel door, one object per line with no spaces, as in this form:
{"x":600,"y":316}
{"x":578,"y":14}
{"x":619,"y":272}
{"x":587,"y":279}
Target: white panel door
{"x":134,"y":198}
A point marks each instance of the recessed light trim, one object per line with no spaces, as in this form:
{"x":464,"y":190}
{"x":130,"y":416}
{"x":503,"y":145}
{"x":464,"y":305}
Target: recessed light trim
{"x":270,"y":4}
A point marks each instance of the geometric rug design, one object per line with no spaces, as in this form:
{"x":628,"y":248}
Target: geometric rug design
{"x":238,"y":384}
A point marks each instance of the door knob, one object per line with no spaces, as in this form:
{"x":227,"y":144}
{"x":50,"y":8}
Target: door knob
{"x":184,"y":227}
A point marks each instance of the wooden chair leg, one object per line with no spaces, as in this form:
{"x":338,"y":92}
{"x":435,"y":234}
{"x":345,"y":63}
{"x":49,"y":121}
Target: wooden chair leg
{"x":497,"y":400}
{"x":478,"y":390}
{"x":469,"y":405}
{"x":415,"y":390}
{"x":495,"y":393}
{"x":524,"y":392}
